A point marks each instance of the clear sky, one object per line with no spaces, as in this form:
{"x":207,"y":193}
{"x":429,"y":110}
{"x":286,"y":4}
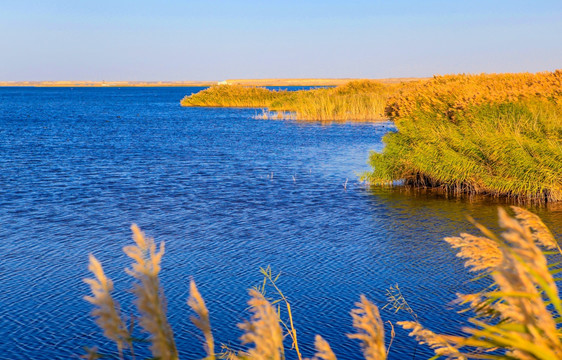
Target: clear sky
{"x":225,"y":39}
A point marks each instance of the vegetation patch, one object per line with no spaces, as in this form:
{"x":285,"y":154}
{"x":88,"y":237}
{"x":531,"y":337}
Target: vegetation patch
{"x":354,"y":101}
{"x":499,"y":135}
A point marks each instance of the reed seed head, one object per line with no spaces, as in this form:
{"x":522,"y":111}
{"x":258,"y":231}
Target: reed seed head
{"x":202,"y":321}
{"x":323,"y":349}
{"x":482,"y":254}
{"x":150,"y":301}
{"x":370,"y":329}
{"x":106,"y":310}
{"x":439,"y":343}
{"x":540,"y":232}
{"x":263,"y":330}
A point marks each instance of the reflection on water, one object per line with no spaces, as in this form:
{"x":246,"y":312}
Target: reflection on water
{"x":80,"y":165}
{"x":457,"y":209}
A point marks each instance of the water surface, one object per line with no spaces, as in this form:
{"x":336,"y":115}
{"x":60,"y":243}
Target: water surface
{"x":228,"y":194}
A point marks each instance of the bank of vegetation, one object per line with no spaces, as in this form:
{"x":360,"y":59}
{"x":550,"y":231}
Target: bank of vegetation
{"x":499,"y":135}
{"x":354,"y":101}
{"x":516,"y":317}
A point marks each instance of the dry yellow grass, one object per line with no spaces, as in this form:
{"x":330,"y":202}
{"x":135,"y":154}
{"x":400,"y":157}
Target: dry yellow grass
{"x":451,"y":94}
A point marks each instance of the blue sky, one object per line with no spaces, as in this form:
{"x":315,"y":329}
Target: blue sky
{"x":219,"y":39}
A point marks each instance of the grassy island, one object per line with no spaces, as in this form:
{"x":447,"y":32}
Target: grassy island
{"x":360,"y":100}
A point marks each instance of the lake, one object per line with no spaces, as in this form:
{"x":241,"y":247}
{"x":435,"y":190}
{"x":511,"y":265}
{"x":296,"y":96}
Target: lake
{"x":228,"y":194}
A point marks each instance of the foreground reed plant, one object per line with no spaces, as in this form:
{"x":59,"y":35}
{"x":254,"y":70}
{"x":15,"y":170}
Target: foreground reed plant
{"x":106,"y":310}
{"x":151,"y":302}
{"x":370,"y":329}
{"x":202,"y":322}
{"x":262,"y":330}
{"x":496,"y":135}
{"x":355,"y":101}
{"x":516,"y":317}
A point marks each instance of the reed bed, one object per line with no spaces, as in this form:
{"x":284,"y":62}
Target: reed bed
{"x":499,"y":135}
{"x":355,"y":101}
{"x":236,"y":96}
{"x":448,"y":95}
{"x":516,"y":317}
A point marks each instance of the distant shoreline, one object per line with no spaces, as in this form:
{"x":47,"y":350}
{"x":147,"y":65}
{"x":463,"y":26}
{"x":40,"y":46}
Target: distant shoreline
{"x":248,"y":82}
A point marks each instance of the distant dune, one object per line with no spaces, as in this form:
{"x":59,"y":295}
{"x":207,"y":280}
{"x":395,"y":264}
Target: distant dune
{"x":106,"y":83}
{"x":249,"y":82}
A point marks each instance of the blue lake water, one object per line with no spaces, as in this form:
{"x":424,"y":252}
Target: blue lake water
{"x":228,"y":194}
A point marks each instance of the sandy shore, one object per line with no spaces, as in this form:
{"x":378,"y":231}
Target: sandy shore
{"x":249,"y":82}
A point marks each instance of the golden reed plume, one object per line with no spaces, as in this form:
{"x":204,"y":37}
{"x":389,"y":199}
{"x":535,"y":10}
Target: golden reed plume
{"x":106,"y":310}
{"x":202,"y":322}
{"x":482,"y":254}
{"x":323,"y":349}
{"x":263,"y":330}
{"x":540,"y":232}
{"x":370,"y":329}
{"x":439,"y":343}
{"x":524,"y":301}
{"x":151,"y":302}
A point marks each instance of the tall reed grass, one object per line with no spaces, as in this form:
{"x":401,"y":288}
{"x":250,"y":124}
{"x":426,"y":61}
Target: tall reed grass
{"x":517,"y":317}
{"x":357,"y":100}
{"x":499,"y":135}
{"x":448,"y":95}
{"x":236,"y":96}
